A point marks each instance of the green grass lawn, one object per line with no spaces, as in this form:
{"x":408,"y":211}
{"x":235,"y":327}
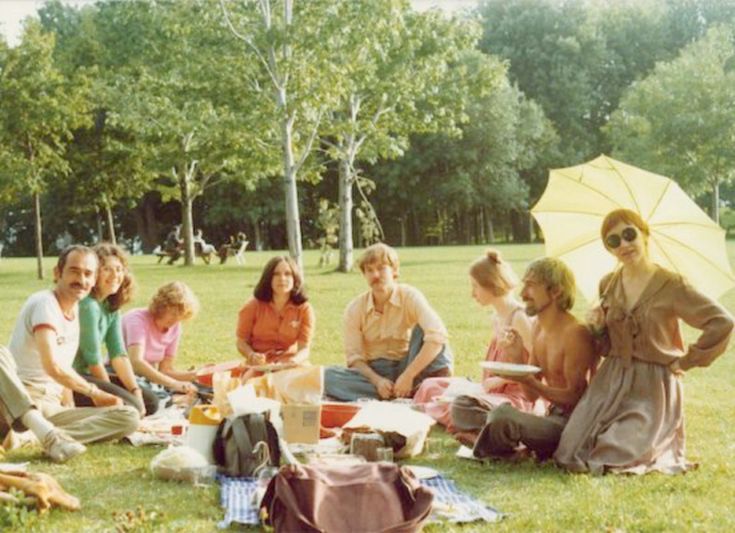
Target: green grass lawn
{"x":118,"y":492}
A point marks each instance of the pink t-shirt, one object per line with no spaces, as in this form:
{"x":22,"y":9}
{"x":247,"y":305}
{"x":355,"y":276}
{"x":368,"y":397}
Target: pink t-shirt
{"x":138,"y":328}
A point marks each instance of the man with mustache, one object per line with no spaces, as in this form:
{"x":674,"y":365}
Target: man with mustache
{"x":393,"y":338}
{"x":43,"y":345}
{"x":561,"y":347}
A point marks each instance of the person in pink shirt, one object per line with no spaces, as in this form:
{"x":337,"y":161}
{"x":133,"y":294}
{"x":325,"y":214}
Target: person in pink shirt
{"x":152,"y":336}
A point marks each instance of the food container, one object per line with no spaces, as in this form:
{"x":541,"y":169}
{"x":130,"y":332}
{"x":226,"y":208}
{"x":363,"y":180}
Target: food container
{"x":336,"y":415}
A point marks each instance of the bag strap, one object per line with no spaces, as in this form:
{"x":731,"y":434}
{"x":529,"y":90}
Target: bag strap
{"x":279,"y":497}
{"x":243,"y":441}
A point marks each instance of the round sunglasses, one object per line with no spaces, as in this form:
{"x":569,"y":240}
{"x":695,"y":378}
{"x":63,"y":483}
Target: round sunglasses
{"x":614,"y":240}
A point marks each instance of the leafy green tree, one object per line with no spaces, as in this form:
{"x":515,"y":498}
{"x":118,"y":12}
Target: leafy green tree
{"x":106,"y":156}
{"x":449,"y":189}
{"x":179,"y":97}
{"x":39,"y":110}
{"x":680,"y":121}
{"x":558,"y":57}
{"x":406,"y":73}
{"x":293,"y":45}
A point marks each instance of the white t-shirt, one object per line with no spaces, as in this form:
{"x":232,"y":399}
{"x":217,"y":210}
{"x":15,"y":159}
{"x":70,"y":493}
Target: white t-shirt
{"x":42,"y":310}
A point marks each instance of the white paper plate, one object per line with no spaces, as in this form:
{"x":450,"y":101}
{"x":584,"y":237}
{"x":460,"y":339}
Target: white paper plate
{"x":509,"y":369}
{"x":423,"y":472}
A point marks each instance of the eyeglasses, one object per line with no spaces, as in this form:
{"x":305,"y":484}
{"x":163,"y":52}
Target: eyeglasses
{"x":614,"y":240}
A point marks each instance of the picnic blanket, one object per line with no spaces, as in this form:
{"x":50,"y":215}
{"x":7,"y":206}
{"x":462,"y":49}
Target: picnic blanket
{"x":450,"y":504}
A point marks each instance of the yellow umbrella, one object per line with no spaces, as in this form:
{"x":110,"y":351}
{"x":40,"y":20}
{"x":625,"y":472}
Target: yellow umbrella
{"x":683,"y":238}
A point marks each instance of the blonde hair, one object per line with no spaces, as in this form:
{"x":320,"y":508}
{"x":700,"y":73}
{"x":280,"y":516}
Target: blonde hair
{"x":175,"y":295}
{"x":380,"y":254}
{"x":556,"y":275}
{"x":492,"y":273}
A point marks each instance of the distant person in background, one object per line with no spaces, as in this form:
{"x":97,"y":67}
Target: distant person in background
{"x":204,"y":249}
{"x":232,"y":247}
{"x":276,"y":325}
{"x":173,"y":244}
{"x":152,"y":336}
{"x":100,"y":322}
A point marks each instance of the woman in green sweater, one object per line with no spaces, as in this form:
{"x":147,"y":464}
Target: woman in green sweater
{"x":100,"y":323}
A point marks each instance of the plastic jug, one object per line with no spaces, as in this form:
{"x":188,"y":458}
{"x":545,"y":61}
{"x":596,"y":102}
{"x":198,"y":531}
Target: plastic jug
{"x":203,"y":423}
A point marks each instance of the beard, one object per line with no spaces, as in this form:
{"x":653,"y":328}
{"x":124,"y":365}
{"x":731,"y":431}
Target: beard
{"x":532,"y":310}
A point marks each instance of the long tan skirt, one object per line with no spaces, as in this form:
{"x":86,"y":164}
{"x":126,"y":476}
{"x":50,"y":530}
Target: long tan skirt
{"x":630,"y":420}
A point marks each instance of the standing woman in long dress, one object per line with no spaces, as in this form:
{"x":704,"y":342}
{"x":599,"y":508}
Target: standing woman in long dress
{"x":631,"y":418}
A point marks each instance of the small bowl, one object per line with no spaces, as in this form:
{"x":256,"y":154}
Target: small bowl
{"x":336,"y":415}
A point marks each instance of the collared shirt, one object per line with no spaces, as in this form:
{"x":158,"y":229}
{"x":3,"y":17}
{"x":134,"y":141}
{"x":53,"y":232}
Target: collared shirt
{"x":265,"y":330}
{"x":370,"y":334}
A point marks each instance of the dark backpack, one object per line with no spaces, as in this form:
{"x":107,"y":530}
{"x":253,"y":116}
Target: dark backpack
{"x":245,"y":443}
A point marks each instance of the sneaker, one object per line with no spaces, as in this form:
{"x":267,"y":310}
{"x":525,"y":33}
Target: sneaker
{"x":60,"y":447}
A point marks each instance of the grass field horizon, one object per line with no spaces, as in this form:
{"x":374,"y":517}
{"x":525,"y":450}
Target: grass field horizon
{"x":119,"y":493}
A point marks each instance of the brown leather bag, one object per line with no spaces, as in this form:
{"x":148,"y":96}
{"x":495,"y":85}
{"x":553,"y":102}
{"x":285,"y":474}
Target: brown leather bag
{"x":369,"y":497}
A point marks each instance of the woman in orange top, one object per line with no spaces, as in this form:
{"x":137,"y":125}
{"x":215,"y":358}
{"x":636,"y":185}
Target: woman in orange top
{"x":276,"y":325}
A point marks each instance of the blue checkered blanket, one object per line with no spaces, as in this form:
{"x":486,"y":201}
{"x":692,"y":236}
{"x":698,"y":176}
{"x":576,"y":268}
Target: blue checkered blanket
{"x":450,"y":503}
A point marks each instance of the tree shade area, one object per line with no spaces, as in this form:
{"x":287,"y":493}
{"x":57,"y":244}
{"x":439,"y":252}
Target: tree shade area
{"x":119,"y":120}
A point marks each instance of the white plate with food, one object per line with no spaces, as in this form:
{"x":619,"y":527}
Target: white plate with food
{"x":510,"y":369}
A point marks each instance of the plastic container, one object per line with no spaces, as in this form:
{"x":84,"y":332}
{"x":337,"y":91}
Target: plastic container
{"x":203,"y":423}
{"x":336,"y":415}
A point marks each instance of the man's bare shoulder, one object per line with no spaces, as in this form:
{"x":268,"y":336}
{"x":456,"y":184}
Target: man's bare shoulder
{"x":578,"y":341}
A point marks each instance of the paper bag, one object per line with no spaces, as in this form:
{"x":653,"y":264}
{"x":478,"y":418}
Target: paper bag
{"x":303,"y":385}
{"x":222,"y":383}
{"x":301,"y":423}
{"x":403,"y":429}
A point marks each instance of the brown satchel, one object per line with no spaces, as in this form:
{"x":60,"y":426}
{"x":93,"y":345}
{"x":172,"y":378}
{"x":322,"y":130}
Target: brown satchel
{"x":369,"y":497}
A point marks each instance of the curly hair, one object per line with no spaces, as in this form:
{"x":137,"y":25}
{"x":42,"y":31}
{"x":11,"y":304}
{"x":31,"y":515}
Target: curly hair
{"x":491,"y":272}
{"x":175,"y":295}
{"x":125,"y":293}
{"x":264,"y":289}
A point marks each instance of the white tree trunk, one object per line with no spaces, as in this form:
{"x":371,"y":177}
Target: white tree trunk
{"x":346,"y":246}
{"x":716,"y":201}
{"x":293,"y":227}
{"x":110,"y":223}
{"x":39,"y":234}
{"x":187,"y":220}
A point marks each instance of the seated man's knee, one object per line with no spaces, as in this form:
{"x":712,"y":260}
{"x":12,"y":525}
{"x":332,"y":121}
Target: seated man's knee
{"x":463,"y":402}
{"x":128,"y":417}
{"x":502,"y":414}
